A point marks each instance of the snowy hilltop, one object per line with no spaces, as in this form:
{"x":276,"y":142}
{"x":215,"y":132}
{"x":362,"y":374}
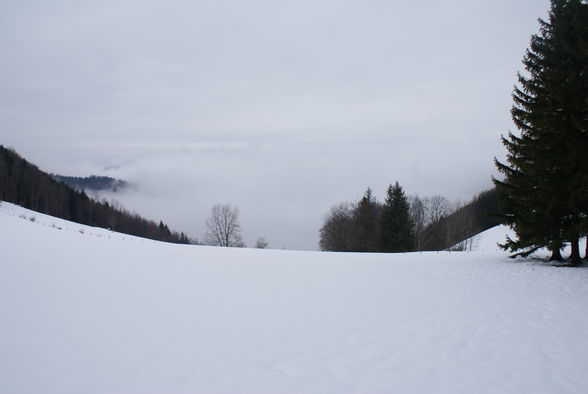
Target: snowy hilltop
{"x":87,"y":310}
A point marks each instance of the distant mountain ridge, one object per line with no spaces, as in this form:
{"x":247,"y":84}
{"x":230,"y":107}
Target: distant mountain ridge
{"x":92,"y":183}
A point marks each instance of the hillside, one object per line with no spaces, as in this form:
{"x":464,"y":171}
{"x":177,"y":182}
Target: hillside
{"x":472,"y":218}
{"x":92,"y":183}
{"x":87,"y":310}
{"x":23,"y":183}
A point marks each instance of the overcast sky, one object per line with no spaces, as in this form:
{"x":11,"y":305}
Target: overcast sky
{"x":282,"y":108}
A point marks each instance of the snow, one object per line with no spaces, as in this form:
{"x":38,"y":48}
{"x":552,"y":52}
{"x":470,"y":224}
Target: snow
{"x":488,"y":241}
{"x":86,"y":310}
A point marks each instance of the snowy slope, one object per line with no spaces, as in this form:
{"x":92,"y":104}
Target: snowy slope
{"x":100,"y":312}
{"x":487,"y":241}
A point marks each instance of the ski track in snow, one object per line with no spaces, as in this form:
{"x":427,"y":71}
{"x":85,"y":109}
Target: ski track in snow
{"x":87,"y":310}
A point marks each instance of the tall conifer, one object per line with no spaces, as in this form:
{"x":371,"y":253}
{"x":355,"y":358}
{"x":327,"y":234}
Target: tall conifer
{"x":366,"y":223}
{"x":544,"y":193}
{"x":396,"y":228}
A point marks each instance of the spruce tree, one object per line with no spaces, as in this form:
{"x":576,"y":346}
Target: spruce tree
{"x":396,"y":228}
{"x":544,"y":194}
{"x":365,"y":223}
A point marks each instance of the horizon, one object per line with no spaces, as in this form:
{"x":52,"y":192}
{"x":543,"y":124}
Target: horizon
{"x":282,"y":110}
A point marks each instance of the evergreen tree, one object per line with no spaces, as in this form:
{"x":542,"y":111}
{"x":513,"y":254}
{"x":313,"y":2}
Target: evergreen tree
{"x":396,"y":228}
{"x":365,"y":219}
{"x":544,"y":194}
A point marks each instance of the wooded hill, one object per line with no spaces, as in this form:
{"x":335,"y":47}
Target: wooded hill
{"x":92,"y":182}
{"x":24,"y":184}
{"x":453,"y":230}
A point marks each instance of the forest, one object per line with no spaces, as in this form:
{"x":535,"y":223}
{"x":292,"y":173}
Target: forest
{"x":92,"y":182}
{"x":407,"y":223}
{"x":24,"y":184}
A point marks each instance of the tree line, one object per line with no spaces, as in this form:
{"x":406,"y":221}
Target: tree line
{"x":406,"y":223}
{"x":24,"y":184}
{"x":92,"y":182}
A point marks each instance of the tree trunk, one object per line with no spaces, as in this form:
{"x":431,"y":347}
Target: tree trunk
{"x":556,"y":255}
{"x":575,"y":256}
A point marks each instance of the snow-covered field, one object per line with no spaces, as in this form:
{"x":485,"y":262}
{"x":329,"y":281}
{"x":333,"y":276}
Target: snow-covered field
{"x":85,"y":310}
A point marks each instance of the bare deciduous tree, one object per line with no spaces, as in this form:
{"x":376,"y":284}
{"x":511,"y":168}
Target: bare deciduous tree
{"x":337,"y":232}
{"x":222,"y":227}
{"x":261,"y":243}
{"x":436,"y":208}
{"x":418,"y":216}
